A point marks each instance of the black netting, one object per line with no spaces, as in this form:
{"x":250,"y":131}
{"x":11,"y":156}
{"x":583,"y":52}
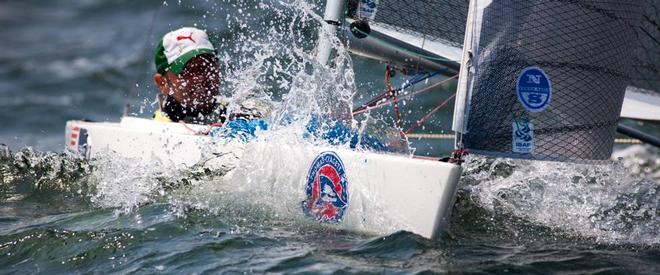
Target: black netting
{"x":583,"y":46}
{"x":646,"y":58}
{"x":437,"y":19}
{"x":445,"y":20}
{"x":590,"y":49}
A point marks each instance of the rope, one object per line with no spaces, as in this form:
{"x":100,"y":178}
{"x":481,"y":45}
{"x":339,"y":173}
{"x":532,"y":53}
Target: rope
{"x":627,"y":141}
{"x":418,"y":78}
{"x":451,"y":136}
{"x":369,"y":108}
{"x":204,"y":132}
{"x":392,"y":94}
{"x":191,"y":130}
{"x":427,"y":116}
{"x":430,"y":136}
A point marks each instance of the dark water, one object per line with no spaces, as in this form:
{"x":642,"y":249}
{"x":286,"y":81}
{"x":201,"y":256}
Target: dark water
{"x":62,"y":60}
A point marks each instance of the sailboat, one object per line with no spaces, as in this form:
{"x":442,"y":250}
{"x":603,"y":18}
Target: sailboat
{"x":428,"y":36}
{"x":526,"y":90}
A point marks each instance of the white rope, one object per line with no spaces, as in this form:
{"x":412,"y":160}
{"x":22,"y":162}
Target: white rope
{"x":451,"y":136}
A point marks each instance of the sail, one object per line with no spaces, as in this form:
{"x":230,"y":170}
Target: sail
{"x":546,"y":79}
{"x":403,"y":32}
{"x":645,"y":71}
{"x":409,"y":34}
{"x":642,"y":99}
{"x":437,"y":20}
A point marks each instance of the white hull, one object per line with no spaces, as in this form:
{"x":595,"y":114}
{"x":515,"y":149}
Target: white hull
{"x":387,"y":193}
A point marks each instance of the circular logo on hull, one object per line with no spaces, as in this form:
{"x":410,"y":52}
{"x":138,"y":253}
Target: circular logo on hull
{"x":326,"y":189}
{"x":534,"y":89}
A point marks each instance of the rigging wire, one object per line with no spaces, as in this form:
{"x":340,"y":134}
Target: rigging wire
{"x":145,"y":49}
{"x":427,"y":116}
{"x":385,"y":103}
{"x":418,"y":78}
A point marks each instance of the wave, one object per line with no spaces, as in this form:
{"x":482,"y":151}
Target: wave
{"x":614,"y":203}
{"x":609,"y":203}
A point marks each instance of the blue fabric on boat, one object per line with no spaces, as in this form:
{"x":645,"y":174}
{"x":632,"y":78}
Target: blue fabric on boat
{"x":242,"y":129}
{"x":333,"y":132}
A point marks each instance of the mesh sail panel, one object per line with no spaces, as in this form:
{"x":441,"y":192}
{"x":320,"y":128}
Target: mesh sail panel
{"x":547,"y":78}
{"x":445,"y":20}
{"x":645,"y":71}
{"x":437,"y":20}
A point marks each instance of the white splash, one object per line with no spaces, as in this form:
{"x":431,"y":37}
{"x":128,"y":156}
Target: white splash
{"x":273,"y":59}
{"x":613,"y":203}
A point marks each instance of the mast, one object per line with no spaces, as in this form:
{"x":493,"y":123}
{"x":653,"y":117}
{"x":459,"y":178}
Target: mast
{"x":332,"y":17}
{"x":468,"y":68}
{"x":462,"y":88}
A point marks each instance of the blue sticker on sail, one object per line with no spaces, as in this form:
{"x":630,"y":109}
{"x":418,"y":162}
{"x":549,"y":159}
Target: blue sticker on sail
{"x":326,"y":189}
{"x":534,"y":89}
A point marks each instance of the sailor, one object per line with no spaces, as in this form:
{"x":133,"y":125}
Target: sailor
{"x":188,"y":77}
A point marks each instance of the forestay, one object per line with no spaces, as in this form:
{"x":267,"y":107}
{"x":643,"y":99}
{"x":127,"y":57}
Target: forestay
{"x":546,"y":79}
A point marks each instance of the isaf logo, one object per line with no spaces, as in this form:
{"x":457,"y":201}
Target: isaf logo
{"x":523,"y":136}
{"x":326,"y":189}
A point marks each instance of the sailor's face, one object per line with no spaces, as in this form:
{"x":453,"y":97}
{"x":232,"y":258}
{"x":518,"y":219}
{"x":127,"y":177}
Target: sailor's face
{"x":198,"y":83}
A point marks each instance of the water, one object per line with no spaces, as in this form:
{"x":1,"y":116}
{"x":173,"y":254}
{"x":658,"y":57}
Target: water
{"x":86,"y":59}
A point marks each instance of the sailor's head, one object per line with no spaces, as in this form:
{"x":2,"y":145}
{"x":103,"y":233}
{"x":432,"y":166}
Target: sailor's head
{"x":187,"y":69}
